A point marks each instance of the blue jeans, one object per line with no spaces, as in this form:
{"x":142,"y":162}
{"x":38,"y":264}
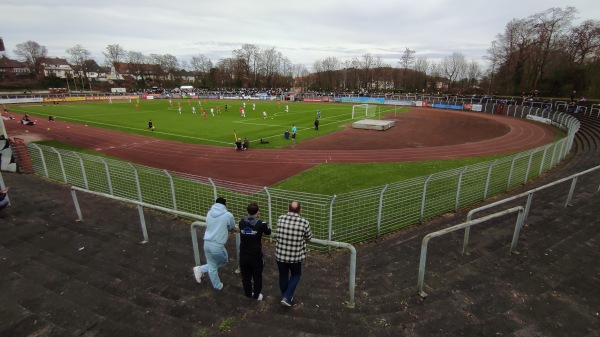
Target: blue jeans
{"x":3,"y":203}
{"x":216,"y":257}
{"x":287,"y":282}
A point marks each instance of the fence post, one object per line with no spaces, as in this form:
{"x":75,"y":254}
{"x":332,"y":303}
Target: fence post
{"x":489,"y":177}
{"x":172,"y":189}
{"x":380,"y":210}
{"x":107,"y":171}
{"x":43,"y":159}
{"x":563,"y":149}
{"x":554,"y":154}
{"x":215,"y":196}
{"x":518,"y":226}
{"x":458,"y":187}
{"x":85,"y":181}
{"x":528,"y":167}
{"x":331,"y":216}
{"x":510,"y":173}
{"x":424,"y":197}
{"x":571,"y":190}
{"x":270,"y":207}
{"x":543,"y":161}
{"x":76,"y":203}
{"x":62,"y":166}
{"x":140,"y":208}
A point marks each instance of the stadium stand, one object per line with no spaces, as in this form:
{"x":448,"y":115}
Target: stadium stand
{"x":94,"y":278}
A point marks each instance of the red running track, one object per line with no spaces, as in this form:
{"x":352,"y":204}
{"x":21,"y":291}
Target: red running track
{"x":422,"y":134}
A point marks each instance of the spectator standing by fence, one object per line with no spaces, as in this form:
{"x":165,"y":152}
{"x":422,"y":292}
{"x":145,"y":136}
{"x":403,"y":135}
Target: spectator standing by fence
{"x":218,"y":224}
{"x":251,"y":257}
{"x":290,"y":250}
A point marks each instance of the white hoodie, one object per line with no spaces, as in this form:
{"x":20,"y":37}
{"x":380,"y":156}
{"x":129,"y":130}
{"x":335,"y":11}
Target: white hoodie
{"x":218,"y":223}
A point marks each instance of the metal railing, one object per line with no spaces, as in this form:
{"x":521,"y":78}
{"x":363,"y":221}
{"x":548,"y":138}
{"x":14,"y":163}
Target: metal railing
{"x":468,"y":224}
{"x":351,"y":249}
{"x":522,"y":217}
{"x":348,"y":217}
{"x":194,"y":235}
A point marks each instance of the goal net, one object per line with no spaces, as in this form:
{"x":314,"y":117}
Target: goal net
{"x":364,"y":110}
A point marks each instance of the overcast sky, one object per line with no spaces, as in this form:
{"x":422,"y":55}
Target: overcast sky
{"x":303,"y":31}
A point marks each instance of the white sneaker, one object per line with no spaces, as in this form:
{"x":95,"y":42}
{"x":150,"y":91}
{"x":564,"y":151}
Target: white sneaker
{"x":220,"y":287}
{"x":197,"y":274}
{"x":260,"y":297}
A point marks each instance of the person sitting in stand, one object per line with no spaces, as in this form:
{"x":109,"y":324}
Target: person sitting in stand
{"x":246,"y":144}
{"x":238,"y":144}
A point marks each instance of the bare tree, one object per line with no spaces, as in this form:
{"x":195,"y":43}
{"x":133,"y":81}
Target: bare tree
{"x":473,"y":73}
{"x":285,"y":72}
{"x":379,"y":72}
{"x":300,"y":74}
{"x":171,"y":65}
{"x":31,"y":52}
{"x":78,"y":56}
{"x":421,"y":67}
{"x":250,"y":54}
{"x":406,"y":61}
{"x":549,"y":25}
{"x":367,"y":65}
{"x":201,"y":66}
{"x":269,"y":60}
{"x":583,"y":42}
{"x":114,"y":55}
{"x":454,"y":67}
{"x":137,"y":65}
{"x":330,"y":66}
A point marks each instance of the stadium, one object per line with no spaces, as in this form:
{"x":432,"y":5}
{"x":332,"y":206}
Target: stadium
{"x":116,"y":286}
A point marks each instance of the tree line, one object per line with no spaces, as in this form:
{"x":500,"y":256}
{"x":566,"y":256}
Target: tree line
{"x":544,"y":52}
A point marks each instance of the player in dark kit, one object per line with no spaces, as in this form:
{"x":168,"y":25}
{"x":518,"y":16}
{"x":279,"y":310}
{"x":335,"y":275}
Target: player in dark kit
{"x":251,"y":256}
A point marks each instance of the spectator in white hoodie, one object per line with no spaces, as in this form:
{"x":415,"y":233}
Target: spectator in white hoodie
{"x":218,"y":224}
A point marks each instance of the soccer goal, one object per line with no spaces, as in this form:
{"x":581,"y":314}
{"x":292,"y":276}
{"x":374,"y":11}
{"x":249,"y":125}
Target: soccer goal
{"x":364,"y":110}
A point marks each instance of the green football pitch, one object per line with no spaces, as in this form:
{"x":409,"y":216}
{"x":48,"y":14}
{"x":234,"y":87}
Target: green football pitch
{"x":216,"y":130}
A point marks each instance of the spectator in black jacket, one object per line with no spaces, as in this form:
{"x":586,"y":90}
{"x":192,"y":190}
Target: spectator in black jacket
{"x":251,"y":256}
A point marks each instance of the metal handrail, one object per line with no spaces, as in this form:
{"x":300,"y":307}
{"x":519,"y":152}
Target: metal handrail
{"x":467,"y":224}
{"x":140,"y":205}
{"x":202,"y":223}
{"x":335,"y":244}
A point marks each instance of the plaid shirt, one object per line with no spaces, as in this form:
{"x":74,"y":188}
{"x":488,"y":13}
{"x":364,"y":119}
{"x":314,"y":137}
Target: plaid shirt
{"x":292,"y":233}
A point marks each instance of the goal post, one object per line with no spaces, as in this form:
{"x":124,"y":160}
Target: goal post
{"x":364,"y":111}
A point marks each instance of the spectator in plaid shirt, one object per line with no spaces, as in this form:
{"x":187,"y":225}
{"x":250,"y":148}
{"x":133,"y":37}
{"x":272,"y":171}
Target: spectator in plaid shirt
{"x":290,"y":250}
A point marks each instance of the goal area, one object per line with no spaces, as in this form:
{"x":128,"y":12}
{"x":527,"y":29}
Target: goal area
{"x":364,"y":110}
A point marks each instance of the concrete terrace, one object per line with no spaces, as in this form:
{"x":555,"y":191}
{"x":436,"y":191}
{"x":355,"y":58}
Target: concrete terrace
{"x":59,"y":277}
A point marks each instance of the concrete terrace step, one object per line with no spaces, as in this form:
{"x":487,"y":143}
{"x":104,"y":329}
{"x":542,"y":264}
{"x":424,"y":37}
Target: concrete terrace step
{"x":17,"y":321}
{"x":267,"y":329}
{"x":54,"y":308}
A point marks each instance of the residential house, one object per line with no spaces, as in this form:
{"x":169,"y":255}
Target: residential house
{"x":12,"y":69}
{"x":54,"y":66}
{"x":93,"y":71}
{"x":133,"y":72}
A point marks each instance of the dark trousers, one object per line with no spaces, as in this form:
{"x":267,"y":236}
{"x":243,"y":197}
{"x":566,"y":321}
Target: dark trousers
{"x":289,"y":277}
{"x":252,"y":269}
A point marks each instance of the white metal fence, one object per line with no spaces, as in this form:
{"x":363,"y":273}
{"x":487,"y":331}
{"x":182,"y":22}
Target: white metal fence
{"x":350,"y":217}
